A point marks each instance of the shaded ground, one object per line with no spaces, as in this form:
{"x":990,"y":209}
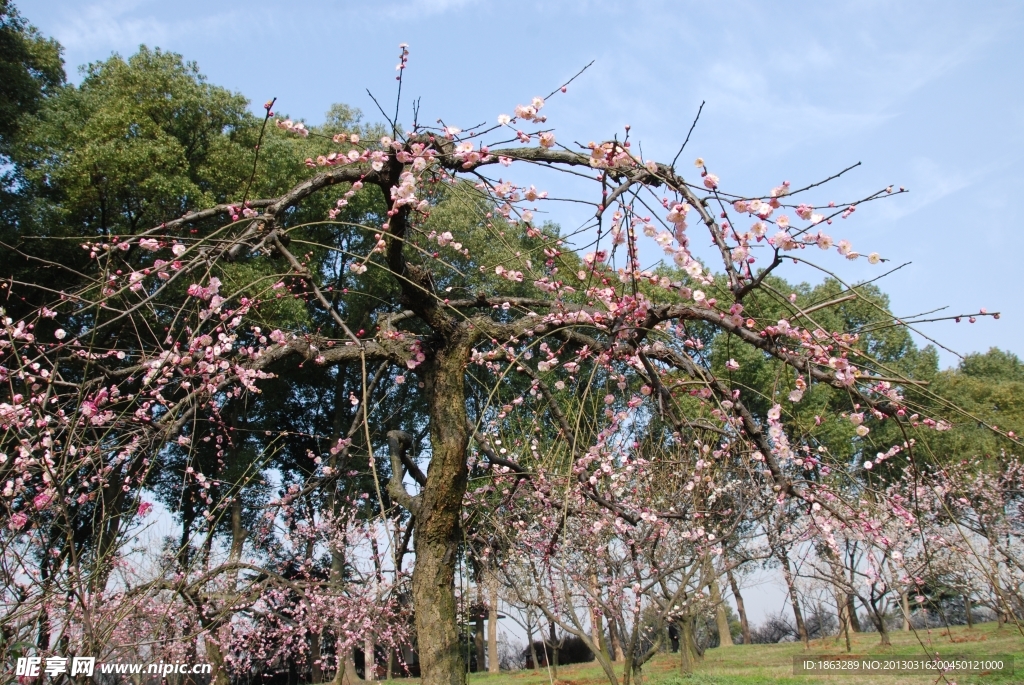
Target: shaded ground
{"x":763,"y":664}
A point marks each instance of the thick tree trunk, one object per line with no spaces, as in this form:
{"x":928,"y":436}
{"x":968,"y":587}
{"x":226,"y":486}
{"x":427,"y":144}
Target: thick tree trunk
{"x":687,"y":646}
{"x":883,"y":633}
{"x":493,"y":664}
{"x":685,"y":658}
{"x":739,"y":606}
{"x":851,"y":611}
{"x":437,"y":521}
{"x":316,"y":670}
{"x":369,"y":660}
{"x":479,"y":642}
{"x":216,"y":659}
{"x":721,"y":617}
{"x":346,"y":673}
{"x":618,"y":654}
{"x":878,"y":618}
{"x":553,"y":662}
{"x":844,"y":616}
{"x":596,"y":617}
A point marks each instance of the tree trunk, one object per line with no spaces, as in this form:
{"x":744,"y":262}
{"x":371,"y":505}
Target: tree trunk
{"x":346,"y":673}
{"x":216,"y":658}
{"x":998,"y":591}
{"x":967,"y":610}
{"x":529,"y":637}
{"x":369,"y":660}
{"x":905,"y":603}
{"x":617,"y":652}
{"x":685,"y":658}
{"x":478,"y":642}
{"x":596,"y":618}
{"x":851,"y":610}
{"x":739,"y":606}
{"x":437,"y":536}
{"x":844,"y":616}
{"x":316,"y":669}
{"x":493,"y":664}
{"x":883,"y":633}
{"x":553,"y":662}
{"x":687,"y":646}
{"x":878,"y":618}
{"x":801,"y":627}
{"x":721,"y":617}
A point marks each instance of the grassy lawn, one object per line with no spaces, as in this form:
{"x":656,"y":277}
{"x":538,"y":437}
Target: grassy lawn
{"x":757,"y":664}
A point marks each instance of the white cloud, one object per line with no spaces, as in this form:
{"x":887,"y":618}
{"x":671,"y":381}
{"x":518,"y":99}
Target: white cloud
{"x":112,"y":25}
{"x":415,"y":9}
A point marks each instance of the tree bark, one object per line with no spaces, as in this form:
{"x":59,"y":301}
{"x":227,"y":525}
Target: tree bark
{"x":739,"y":606}
{"x":878,"y":618}
{"x":1000,"y":603}
{"x":687,"y":646}
{"x":438,"y":515}
{"x":369,"y":660}
{"x":478,"y":643}
{"x":905,"y":603}
{"x":216,"y":657}
{"x":553,"y":662}
{"x":794,"y":601}
{"x":596,"y":618}
{"x":529,"y":637}
{"x":851,"y":611}
{"x":721,"y":617}
{"x":316,"y":669}
{"x":617,"y":652}
{"x":844,"y":616}
{"x":346,"y":673}
{"x":493,"y":663}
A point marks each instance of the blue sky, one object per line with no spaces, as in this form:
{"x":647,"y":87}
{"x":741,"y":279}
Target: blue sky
{"x":925,"y":95}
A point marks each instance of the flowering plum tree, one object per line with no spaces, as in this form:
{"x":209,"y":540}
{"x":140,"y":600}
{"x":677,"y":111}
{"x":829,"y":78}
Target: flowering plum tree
{"x":600,"y":394}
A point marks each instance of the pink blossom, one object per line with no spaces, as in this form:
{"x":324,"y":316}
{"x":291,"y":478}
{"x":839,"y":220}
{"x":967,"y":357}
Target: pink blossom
{"x":42,"y":500}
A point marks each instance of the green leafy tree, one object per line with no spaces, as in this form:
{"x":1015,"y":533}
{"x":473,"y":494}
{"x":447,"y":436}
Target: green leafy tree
{"x":31,"y":68}
{"x":988,"y":391}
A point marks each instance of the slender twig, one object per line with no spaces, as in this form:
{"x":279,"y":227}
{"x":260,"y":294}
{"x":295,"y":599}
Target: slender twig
{"x":269,"y":107}
{"x":692,"y":126}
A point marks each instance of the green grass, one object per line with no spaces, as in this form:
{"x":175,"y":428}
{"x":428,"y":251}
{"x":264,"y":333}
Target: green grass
{"x":763,"y":664}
